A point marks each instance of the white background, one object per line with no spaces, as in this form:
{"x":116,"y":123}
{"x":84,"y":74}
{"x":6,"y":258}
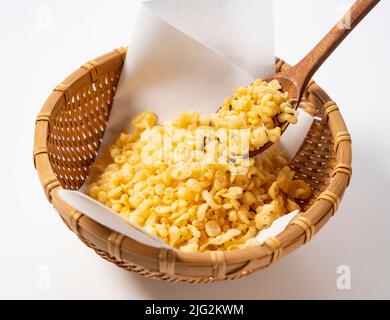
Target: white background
{"x":43,"y":41}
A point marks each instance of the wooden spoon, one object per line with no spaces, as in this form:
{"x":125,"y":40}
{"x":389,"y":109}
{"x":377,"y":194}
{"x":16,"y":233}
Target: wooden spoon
{"x":295,"y":80}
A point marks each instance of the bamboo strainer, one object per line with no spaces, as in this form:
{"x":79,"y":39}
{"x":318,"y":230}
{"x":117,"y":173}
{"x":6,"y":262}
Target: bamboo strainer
{"x":68,"y":133}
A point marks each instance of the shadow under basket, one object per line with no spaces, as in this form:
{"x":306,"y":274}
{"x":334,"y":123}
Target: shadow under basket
{"x":69,"y":130}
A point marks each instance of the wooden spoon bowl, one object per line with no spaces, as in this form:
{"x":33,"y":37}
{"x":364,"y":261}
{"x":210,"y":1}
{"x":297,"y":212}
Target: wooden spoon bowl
{"x":295,"y":80}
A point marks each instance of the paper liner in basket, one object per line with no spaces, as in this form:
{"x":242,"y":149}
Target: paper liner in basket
{"x":189,"y":55}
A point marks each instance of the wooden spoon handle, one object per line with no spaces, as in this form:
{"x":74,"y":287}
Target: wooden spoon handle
{"x":305,"y":69}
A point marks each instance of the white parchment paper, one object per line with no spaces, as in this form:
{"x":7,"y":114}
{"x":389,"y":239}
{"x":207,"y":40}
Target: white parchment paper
{"x":189,"y":55}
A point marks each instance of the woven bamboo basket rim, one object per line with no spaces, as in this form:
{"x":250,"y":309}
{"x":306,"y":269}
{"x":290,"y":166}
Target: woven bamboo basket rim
{"x":66,"y":141}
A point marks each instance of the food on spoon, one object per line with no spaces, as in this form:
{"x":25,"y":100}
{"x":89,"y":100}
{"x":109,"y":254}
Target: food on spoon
{"x":261,"y":107}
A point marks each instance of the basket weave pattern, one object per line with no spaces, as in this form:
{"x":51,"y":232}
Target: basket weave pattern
{"x":69,"y":130}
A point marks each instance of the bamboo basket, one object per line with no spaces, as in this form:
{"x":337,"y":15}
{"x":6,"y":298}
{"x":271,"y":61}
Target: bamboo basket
{"x":68,"y":133}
